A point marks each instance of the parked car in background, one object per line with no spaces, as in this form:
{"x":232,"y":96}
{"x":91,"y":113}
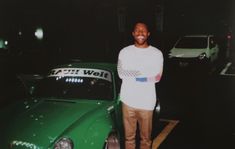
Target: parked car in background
{"x":3,"y":44}
{"x":194,"y":49}
{"x":74,"y":106}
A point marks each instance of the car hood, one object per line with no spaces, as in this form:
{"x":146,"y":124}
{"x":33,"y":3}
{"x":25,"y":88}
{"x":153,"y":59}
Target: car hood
{"x":42,"y":122}
{"x":186,"y":53}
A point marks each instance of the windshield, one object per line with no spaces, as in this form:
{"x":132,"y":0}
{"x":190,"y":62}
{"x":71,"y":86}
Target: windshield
{"x":192,"y":42}
{"x":76,"y":83}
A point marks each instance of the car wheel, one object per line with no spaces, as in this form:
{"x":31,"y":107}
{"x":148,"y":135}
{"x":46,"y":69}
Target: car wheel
{"x":209,"y":64}
{"x":112,"y":142}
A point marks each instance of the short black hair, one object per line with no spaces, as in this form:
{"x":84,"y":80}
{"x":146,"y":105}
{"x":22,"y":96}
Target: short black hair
{"x":141,"y":23}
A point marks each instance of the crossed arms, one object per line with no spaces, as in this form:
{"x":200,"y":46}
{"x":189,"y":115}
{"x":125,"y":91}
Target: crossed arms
{"x":124,"y":73}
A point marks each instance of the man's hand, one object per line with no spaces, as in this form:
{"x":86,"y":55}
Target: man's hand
{"x":156,"y":78}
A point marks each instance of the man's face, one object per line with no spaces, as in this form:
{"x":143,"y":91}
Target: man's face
{"x":140,"y":34}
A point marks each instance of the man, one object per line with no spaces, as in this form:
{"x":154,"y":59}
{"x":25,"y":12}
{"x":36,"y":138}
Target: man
{"x":140,"y":67}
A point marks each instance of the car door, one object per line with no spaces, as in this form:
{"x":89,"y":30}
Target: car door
{"x":213,"y":49}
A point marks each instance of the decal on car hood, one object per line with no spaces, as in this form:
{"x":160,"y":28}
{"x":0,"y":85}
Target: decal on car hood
{"x":81,"y":72}
{"x":23,"y":144}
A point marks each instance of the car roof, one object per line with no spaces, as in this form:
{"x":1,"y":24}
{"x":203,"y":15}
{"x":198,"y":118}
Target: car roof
{"x":107,"y":66}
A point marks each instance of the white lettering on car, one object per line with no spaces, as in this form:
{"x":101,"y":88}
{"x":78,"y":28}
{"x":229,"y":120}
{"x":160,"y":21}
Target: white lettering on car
{"x":24,"y":144}
{"x":81,"y":72}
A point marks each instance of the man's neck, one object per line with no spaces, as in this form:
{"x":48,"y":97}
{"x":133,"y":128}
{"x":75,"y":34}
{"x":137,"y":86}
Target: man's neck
{"x":141,"y":46}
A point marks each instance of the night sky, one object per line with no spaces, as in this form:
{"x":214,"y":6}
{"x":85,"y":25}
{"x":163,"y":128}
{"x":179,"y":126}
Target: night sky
{"x":93,"y":12}
{"x":100,"y":25}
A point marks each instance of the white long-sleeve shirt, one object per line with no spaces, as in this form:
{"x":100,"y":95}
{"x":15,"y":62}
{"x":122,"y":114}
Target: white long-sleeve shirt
{"x":139,"y":69}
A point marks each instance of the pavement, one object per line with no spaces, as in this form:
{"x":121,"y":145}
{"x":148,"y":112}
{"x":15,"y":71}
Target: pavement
{"x":197,"y":109}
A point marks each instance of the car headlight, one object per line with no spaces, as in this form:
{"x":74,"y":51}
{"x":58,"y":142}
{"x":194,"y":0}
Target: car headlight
{"x":64,"y":143}
{"x":202,"y":56}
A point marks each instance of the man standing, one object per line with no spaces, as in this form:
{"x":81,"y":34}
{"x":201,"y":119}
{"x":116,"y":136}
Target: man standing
{"x":140,"y":67}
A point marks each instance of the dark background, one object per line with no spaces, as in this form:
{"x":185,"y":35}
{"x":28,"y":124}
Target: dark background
{"x":97,"y":29}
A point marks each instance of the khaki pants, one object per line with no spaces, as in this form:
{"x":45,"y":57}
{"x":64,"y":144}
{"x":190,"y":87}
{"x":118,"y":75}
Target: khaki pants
{"x":132,"y":116}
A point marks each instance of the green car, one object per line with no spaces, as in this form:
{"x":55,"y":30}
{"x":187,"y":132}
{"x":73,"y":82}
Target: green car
{"x":74,"y":106}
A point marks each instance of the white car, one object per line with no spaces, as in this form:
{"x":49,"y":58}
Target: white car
{"x":193,"y":49}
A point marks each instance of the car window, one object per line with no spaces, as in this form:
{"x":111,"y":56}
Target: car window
{"x":76,"y":85}
{"x":192,"y":42}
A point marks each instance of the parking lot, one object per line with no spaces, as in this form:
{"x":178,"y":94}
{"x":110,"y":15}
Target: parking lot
{"x":197,"y":110}
{"x":196,"y":91}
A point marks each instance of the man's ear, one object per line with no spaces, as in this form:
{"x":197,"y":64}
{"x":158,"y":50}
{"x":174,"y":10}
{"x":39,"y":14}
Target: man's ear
{"x":133,"y":34}
{"x":148,"y":34}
